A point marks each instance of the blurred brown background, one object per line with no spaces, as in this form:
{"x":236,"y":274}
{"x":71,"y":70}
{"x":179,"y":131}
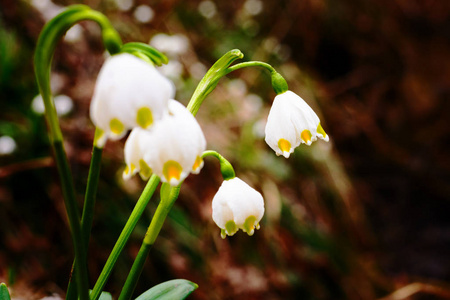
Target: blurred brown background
{"x":358,"y":218}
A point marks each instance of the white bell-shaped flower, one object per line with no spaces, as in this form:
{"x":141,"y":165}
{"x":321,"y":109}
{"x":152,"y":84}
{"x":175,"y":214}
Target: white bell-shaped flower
{"x":129,"y":93}
{"x":292,"y":121}
{"x":171,"y":149}
{"x":237,"y":206}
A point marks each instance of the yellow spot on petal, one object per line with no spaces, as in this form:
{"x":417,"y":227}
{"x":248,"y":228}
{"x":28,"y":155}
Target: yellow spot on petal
{"x":306,"y":136}
{"x":144,"y":117}
{"x":172,"y":170}
{"x":230,"y":227}
{"x":284,"y":145}
{"x":321,"y":131}
{"x":249,"y":225}
{"x":132,"y":167}
{"x":98,"y":135}
{"x":144,"y":170}
{"x":197,"y":163}
{"x":127,"y":170}
{"x":116,"y":126}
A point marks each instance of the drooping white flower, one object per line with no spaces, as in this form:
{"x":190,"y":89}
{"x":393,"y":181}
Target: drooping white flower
{"x":129,"y":93}
{"x":236,"y":206}
{"x":134,"y":155}
{"x":291,"y":122}
{"x":171,"y":149}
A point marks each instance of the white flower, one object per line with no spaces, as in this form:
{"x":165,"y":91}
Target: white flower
{"x":171,"y":149}
{"x":237,"y":206}
{"x":129,"y":93}
{"x":291,"y":122}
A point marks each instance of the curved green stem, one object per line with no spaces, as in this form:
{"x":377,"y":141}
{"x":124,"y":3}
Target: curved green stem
{"x":163,"y":209}
{"x":48,"y":39}
{"x":251,"y":64}
{"x":88,"y":212}
{"x":225,"y":166}
{"x":279,"y":84}
{"x":211,"y":79}
{"x":223,"y":67}
{"x":125,"y":234}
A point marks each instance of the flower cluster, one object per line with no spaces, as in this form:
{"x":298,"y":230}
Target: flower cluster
{"x":166,"y":139}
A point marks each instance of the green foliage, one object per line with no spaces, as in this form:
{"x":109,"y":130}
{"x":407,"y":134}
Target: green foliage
{"x":177,"y":289}
{"x":4,"y":293}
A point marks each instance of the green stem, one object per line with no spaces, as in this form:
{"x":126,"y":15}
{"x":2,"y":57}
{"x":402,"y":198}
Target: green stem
{"x":225,"y":166}
{"x":88,"y":212}
{"x":48,"y":39}
{"x":251,"y":64}
{"x":124,"y":236}
{"x":279,"y":84}
{"x":74,"y":218}
{"x":153,"y":230}
{"x":47,"y":42}
{"x":221,"y":68}
{"x":211,"y":79}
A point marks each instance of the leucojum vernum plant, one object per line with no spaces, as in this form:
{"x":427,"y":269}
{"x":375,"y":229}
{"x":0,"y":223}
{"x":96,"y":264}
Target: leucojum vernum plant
{"x":165,"y":145}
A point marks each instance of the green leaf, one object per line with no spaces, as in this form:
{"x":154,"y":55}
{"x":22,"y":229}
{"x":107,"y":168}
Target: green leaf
{"x":176,"y":289}
{"x":4,"y":293}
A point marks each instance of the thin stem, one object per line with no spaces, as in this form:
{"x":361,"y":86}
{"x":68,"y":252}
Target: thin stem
{"x":74,"y":218}
{"x":225,"y":166}
{"x":153,"y":230}
{"x":211,"y":79}
{"x":124,"y":236}
{"x":88,"y":212}
{"x":251,"y":64}
{"x":48,"y":39}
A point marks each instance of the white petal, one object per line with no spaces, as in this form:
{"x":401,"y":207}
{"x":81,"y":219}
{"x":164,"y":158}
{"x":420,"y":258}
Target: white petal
{"x":236,"y":201}
{"x":176,"y":138}
{"x":125,"y":85}
{"x":291,"y":121}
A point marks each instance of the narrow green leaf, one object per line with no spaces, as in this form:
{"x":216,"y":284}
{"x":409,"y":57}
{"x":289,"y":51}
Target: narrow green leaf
{"x":176,"y":289}
{"x":4,"y":293}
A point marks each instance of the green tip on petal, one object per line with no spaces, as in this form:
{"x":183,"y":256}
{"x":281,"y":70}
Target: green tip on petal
{"x":144,"y":170}
{"x":98,"y":136}
{"x":249,"y":225}
{"x":116,"y":126}
{"x":144,"y":117}
{"x":321,"y":131}
{"x":231,"y":228}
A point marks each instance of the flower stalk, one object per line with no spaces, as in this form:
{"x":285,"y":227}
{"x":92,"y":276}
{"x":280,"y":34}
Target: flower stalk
{"x":48,"y":39}
{"x":168,"y":197}
{"x":88,"y":212}
{"x":125,"y":235}
{"x":225,"y":166}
